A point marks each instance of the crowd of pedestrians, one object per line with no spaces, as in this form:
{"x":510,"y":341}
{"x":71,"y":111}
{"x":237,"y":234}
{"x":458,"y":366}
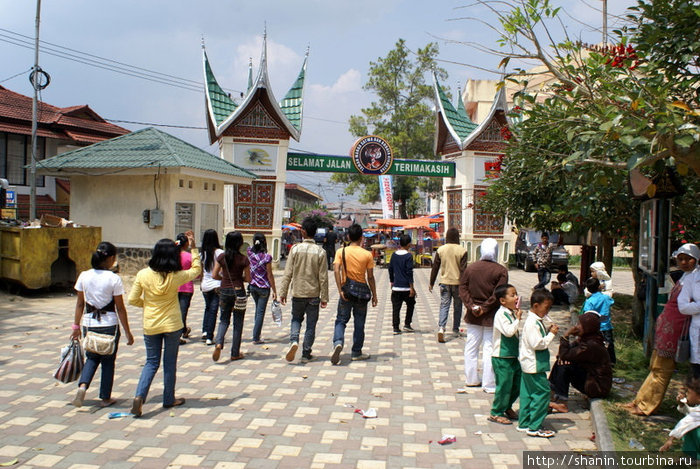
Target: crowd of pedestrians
{"x":514,"y":344}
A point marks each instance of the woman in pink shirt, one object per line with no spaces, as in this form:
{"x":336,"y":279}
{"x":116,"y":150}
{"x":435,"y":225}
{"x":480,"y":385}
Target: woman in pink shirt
{"x":185,"y":292}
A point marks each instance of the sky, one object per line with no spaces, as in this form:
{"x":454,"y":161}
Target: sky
{"x":165,"y":37}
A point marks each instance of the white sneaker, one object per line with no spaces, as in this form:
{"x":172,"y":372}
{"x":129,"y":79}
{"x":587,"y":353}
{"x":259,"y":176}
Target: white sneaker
{"x":209,"y":342}
{"x":292,"y":351}
{"x":335,"y":356}
{"x":441,"y":335}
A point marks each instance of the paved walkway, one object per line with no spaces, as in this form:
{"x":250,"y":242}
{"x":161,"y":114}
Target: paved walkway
{"x":263,"y":411}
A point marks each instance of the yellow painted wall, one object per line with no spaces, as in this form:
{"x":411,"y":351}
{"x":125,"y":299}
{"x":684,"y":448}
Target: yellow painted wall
{"x":116,"y":204}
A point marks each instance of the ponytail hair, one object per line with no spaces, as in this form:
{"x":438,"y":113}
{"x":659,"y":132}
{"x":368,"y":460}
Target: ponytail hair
{"x":181,"y":241}
{"x":259,"y":243}
{"x":104,"y":250}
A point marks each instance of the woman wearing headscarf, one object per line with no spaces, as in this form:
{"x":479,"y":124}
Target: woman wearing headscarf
{"x":582,"y":362}
{"x":599,"y":271}
{"x":476,"y":289}
{"x":669,"y":327}
{"x":689,"y":300}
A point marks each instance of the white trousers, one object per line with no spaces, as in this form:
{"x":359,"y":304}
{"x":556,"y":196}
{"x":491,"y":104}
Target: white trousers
{"x":476,"y":335}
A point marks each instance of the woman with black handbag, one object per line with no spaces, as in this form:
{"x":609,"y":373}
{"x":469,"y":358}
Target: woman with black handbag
{"x":232,"y":268}
{"x":100,"y":294}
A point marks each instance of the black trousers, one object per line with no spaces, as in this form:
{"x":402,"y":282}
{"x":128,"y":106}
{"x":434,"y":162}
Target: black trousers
{"x":563,"y":376}
{"x":398,"y":298}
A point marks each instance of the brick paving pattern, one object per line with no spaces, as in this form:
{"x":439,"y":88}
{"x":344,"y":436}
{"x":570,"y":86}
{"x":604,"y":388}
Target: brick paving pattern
{"x":263,"y":411}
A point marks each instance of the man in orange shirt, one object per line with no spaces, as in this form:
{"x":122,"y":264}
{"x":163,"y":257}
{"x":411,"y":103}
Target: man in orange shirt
{"x":353,"y":265}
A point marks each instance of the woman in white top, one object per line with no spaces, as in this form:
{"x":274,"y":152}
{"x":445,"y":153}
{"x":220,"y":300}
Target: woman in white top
{"x":211,"y":250}
{"x":100,"y":295}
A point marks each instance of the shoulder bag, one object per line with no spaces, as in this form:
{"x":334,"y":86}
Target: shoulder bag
{"x":683,"y":347}
{"x":353,"y":290}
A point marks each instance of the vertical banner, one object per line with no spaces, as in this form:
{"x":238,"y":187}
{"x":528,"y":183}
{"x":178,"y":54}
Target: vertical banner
{"x":387,"y":196}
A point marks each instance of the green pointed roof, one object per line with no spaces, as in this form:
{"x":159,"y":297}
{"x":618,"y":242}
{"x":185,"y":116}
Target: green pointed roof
{"x":218,"y":101}
{"x":146,"y":148}
{"x":456,"y":120}
{"x":293,"y":103}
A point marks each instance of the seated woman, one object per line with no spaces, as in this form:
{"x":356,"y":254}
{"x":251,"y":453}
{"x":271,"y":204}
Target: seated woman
{"x":583,"y":363}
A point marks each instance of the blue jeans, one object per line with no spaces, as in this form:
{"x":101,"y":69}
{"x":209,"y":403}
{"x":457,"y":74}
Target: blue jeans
{"x":168,"y":345}
{"x":543,"y":275}
{"x":260,"y":297}
{"x":184,"y":298}
{"x":359,"y":313}
{"x":92,"y":360}
{"x":301,"y":307}
{"x":211,"y":308}
{"x":450,"y":293}
{"x":226,"y":301}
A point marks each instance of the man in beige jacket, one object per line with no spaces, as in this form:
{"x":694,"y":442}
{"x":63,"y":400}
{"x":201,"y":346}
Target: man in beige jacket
{"x":306,"y":271}
{"x":450,"y":260}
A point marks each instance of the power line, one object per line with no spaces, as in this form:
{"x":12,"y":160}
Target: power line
{"x":16,"y":75}
{"x":156,"y":125}
{"x":96,"y":61}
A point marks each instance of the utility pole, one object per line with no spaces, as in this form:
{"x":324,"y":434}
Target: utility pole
{"x":35,"y":85}
{"x":605,"y":22}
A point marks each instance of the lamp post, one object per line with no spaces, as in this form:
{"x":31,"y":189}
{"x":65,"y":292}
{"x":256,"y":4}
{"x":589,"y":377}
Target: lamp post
{"x":35,"y":85}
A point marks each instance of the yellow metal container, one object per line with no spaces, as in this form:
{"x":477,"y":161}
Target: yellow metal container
{"x":41,"y":257}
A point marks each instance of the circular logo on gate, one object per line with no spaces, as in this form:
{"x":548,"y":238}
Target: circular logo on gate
{"x":372,"y":155}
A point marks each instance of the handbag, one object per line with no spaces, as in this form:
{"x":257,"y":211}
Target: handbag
{"x":683,"y":347}
{"x":71,"y":364}
{"x":354,"y":290}
{"x":101,"y":344}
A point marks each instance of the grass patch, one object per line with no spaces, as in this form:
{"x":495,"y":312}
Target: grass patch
{"x":633,"y":366}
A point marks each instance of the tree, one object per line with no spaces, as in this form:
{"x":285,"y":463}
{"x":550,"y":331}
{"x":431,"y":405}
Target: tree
{"x":609,"y":109}
{"x":403,"y":115}
{"x":318,"y":213}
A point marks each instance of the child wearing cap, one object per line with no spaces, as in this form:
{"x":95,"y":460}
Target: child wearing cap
{"x":689,"y":299}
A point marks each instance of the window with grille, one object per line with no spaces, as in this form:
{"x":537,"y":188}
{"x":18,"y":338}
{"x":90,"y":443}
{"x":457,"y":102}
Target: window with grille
{"x":184,"y":217}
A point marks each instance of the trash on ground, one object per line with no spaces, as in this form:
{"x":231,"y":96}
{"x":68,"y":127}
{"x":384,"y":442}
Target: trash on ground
{"x":370,"y":413}
{"x":348,"y":405}
{"x":634,"y":444}
{"x":461,"y":391}
{"x":478,"y":432}
{"x":9,"y":463}
{"x":592,"y":437}
{"x":116,"y":415}
{"x":447,"y":439}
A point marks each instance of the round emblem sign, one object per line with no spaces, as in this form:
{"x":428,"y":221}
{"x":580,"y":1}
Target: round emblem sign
{"x":372,"y":155}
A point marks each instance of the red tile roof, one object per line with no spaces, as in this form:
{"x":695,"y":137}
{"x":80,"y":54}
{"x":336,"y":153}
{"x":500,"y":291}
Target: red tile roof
{"x":79,"y":124}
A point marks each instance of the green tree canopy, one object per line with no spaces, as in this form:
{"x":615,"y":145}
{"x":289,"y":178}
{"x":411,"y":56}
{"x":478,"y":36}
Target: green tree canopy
{"x":403,"y":115}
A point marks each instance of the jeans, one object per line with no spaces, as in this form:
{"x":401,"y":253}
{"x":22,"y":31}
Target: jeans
{"x":260,"y":298}
{"x":168,"y":345}
{"x":184,"y":298}
{"x":450,"y":293}
{"x":211,"y":308}
{"x":92,"y":360}
{"x":227,"y":300}
{"x":330,"y":257}
{"x":359,"y":312}
{"x":397,"y":300}
{"x":304,"y":307}
{"x":543,"y":277}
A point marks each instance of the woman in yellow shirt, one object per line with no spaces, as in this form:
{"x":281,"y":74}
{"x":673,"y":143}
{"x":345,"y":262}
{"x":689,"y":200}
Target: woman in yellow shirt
{"x":155,"y":290}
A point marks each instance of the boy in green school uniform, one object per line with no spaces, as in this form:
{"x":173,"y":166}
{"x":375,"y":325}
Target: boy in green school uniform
{"x":534,"y":361}
{"x":505,"y":362}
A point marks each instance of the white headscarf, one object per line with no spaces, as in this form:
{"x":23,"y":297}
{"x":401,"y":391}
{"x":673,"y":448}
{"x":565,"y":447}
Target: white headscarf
{"x":600,"y":271}
{"x":489,"y":250}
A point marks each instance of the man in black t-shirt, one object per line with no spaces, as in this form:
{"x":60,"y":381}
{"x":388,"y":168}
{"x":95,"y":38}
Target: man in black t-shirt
{"x":329,"y":245}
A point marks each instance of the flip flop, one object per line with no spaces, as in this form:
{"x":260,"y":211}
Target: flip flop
{"x":499,"y":419}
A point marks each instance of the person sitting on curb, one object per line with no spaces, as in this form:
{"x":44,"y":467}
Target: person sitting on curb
{"x":582,"y":361}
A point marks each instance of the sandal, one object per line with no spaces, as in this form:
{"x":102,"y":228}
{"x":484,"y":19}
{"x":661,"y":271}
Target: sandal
{"x":499,"y":419}
{"x":177,"y":402}
{"x":240,"y":356}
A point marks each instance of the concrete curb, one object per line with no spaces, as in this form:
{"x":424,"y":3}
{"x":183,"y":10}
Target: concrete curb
{"x":603,"y":436}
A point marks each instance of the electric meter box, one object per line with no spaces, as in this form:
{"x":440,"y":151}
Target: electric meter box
{"x":155,"y":220}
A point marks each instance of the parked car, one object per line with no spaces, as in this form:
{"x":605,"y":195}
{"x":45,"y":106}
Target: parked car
{"x":525,"y":248}
{"x":320,"y":235}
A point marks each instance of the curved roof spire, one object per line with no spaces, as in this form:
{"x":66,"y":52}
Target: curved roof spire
{"x":219,"y":103}
{"x":293,"y":103}
{"x":457,"y":122}
{"x":250,"y":75}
